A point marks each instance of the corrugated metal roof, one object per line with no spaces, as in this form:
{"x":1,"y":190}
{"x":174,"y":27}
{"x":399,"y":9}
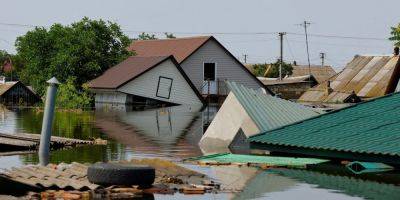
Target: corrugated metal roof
{"x":269,"y":112}
{"x":372,"y":127}
{"x":366,"y":76}
{"x":320,"y":73}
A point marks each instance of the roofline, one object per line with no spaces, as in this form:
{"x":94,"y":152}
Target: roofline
{"x":19,"y":82}
{"x":323,"y":114}
{"x":236,"y":60}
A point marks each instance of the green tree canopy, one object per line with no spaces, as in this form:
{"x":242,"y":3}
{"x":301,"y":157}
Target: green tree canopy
{"x":395,"y":35}
{"x":82,"y":50}
{"x":146,"y":36}
{"x":273,"y":69}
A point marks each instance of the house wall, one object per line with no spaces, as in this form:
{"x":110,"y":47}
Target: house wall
{"x":227,"y":67}
{"x":146,"y":85}
{"x":110,"y":97}
{"x":19,"y":95}
{"x":226,"y":124}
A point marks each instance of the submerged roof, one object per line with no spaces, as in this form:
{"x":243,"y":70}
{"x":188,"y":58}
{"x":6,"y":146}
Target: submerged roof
{"x":369,"y":128}
{"x":180,"y":48}
{"x":269,"y":112}
{"x":4,"y":87}
{"x":287,"y":80}
{"x":125,"y":71}
{"x":320,"y":73}
{"x":366,"y":76}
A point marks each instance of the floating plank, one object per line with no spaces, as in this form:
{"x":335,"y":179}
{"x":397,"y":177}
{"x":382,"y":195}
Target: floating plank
{"x":24,"y":141}
{"x":228,"y":158}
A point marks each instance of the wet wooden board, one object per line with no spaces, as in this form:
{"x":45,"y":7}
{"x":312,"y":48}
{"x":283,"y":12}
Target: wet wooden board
{"x":24,"y":141}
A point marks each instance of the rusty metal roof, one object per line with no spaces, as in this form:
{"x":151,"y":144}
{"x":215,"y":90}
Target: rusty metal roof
{"x":366,"y":76}
{"x":72,"y":176}
{"x":180,"y":48}
{"x":125,"y":71}
{"x":320,"y":73}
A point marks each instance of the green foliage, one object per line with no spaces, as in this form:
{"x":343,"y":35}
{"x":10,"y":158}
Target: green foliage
{"x":169,"y":35}
{"x":146,"y":36}
{"x":273,"y":72}
{"x":84,"y":50}
{"x":395,"y":35}
{"x":69,"y":97}
{"x":4,"y":56}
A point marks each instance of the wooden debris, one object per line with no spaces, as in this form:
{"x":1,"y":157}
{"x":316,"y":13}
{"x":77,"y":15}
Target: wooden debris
{"x":193,"y":190}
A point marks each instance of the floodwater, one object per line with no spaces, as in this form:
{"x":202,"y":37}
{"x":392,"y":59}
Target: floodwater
{"x":173,"y":133}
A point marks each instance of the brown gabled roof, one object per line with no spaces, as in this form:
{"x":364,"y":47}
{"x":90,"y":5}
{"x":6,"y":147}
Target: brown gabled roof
{"x":125,"y":71}
{"x":287,"y":80}
{"x":180,"y":48}
{"x":320,"y":73}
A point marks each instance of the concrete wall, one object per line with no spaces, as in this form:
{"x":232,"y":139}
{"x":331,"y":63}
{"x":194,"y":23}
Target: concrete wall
{"x":146,"y":85}
{"x":227,"y":67}
{"x":291,"y":91}
{"x":226,"y":124}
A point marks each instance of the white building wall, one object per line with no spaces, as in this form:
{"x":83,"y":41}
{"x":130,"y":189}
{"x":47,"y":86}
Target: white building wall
{"x":226,"y":124}
{"x":227,"y":67}
{"x":110,"y":97}
{"x":146,"y":85}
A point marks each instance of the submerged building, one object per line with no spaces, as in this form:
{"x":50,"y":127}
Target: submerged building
{"x":367,"y":131}
{"x":145,"y":80}
{"x":15,"y":93}
{"x":207,"y":63}
{"x":247,"y":112}
{"x":363,"y":78}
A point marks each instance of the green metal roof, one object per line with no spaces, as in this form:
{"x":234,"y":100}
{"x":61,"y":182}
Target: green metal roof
{"x":372,"y":127}
{"x":255,"y":159}
{"x":352,"y":186}
{"x":269,"y":112}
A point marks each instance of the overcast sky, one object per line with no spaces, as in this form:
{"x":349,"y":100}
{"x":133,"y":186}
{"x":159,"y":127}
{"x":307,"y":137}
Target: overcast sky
{"x":355,"y":18}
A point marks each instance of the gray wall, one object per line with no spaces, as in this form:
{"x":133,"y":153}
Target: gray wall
{"x":227,"y":67}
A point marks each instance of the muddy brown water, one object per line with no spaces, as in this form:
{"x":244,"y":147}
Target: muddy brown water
{"x":173,"y":133}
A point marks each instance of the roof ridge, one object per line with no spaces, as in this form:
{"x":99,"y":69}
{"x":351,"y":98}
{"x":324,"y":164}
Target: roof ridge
{"x":172,"y":39}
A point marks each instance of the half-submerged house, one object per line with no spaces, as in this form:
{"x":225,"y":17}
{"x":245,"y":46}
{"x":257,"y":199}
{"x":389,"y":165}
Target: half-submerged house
{"x":15,"y":93}
{"x":367,"y":131}
{"x":247,"y":112}
{"x":365,"y":77}
{"x":145,"y":80}
{"x":206,"y":62}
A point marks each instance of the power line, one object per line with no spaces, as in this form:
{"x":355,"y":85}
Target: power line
{"x":290,"y":49}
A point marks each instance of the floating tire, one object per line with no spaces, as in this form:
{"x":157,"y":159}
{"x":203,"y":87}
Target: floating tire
{"x":106,"y":174}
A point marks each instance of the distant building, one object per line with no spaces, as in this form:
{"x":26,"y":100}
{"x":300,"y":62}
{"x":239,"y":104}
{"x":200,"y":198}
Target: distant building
{"x":290,"y":88}
{"x":363,"y":78}
{"x":320,"y":73}
{"x":206,"y":62}
{"x":145,"y":80}
{"x":16,"y":93}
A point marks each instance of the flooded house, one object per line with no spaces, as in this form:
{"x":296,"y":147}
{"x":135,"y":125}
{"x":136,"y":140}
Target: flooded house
{"x":247,"y":112}
{"x":363,"y":78}
{"x":291,"y":87}
{"x":320,"y":73}
{"x":207,"y":63}
{"x":15,"y":93}
{"x":367,"y":131}
{"x":145,"y":80}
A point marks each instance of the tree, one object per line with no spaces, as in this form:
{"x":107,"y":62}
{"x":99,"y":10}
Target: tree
{"x":4,"y":56}
{"x":273,"y":69}
{"x":82,"y":50}
{"x":395,"y":35}
{"x":169,"y":35}
{"x":146,"y":36}
{"x":69,"y":97}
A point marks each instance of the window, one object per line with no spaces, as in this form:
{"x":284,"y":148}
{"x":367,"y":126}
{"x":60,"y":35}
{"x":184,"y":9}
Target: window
{"x":209,"y":71}
{"x":164,"y":87}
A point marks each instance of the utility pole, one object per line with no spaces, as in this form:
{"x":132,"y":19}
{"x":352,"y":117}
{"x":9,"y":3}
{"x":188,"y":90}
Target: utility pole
{"x":281,"y":34}
{"x":322,"y":56}
{"x":305,"y":24}
{"x":245,"y":58}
